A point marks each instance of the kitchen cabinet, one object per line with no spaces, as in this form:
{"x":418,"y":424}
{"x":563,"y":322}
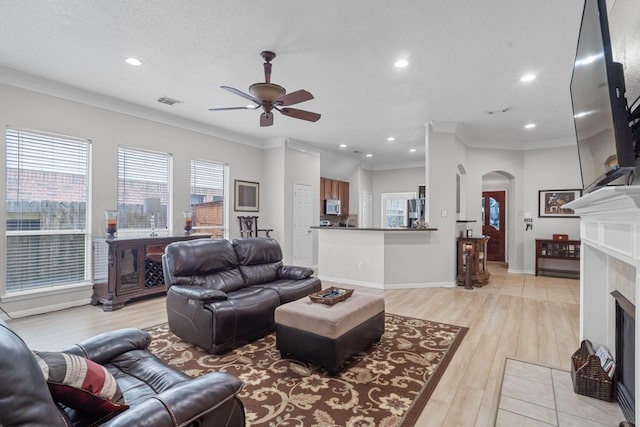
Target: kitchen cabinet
{"x":334,"y":189}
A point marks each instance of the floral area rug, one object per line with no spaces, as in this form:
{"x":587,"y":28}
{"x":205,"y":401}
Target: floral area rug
{"x":386,"y":385}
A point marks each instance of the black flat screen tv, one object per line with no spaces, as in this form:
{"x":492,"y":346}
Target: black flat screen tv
{"x":601,"y":115}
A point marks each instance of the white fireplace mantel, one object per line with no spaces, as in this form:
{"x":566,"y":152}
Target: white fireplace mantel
{"x":610,"y":221}
{"x":610,"y":260}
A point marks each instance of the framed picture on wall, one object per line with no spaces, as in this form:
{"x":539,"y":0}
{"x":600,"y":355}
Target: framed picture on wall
{"x":247,"y":196}
{"x":551,"y":202}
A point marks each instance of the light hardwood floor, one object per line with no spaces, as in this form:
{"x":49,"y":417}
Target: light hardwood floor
{"x":523,"y":317}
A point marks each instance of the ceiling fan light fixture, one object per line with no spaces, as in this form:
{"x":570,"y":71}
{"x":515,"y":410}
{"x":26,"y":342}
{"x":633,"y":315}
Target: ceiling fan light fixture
{"x":267,"y":91}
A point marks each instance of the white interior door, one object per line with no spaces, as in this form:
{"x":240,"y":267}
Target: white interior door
{"x":366,"y":210}
{"x":302,"y":237}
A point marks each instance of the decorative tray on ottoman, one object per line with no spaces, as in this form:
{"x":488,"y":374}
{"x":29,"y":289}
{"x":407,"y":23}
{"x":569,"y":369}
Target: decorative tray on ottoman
{"x":331,"y":295}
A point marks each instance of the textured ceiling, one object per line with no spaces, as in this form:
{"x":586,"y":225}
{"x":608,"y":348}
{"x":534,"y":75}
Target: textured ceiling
{"x":466,"y":58}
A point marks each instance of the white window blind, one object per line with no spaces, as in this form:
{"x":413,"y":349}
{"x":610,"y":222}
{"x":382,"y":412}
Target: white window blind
{"x":46,"y":210}
{"x":143,"y":175}
{"x":207,"y":197}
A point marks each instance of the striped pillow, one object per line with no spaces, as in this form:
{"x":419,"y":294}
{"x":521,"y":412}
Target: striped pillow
{"x":80,"y":383}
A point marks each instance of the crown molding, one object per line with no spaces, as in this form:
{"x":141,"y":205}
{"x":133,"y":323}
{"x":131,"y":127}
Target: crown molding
{"x":405,"y":165}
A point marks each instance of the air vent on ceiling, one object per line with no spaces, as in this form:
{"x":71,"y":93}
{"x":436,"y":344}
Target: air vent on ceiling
{"x":168,"y":101}
{"x":502,"y":110}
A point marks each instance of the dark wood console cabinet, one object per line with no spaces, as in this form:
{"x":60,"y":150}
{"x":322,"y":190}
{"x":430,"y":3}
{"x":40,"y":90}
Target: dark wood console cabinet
{"x":568,"y":250}
{"x":127,"y":268}
{"x":478,"y":249}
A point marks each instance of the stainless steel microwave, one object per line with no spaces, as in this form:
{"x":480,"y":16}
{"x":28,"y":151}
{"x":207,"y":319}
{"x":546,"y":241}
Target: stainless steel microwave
{"x":332,"y":207}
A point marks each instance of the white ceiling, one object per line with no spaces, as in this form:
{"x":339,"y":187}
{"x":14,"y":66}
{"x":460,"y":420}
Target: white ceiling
{"x":466,"y":58}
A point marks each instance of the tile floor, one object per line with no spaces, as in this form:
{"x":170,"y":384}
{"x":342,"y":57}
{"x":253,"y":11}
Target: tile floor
{"x":534,"y":395}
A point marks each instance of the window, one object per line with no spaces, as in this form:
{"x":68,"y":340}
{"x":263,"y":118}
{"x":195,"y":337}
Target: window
{"x":46,"y":210}
{"x":143,"y":181}
{"x":394,"y":209}
{"x":208,"y":197}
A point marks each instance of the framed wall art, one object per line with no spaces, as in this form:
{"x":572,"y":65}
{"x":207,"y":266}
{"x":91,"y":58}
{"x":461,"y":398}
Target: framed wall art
{"x":551,"y":202}
{"x":247,"y":196}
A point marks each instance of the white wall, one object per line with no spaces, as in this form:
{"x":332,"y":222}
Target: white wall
{"x":337,"y":164}
{"x":107,"y":129}
{"x":624,"y":26}
{"x":354,"y":191}
{"x":548,"y":169}
{"x":273,"y":190}
{"x":442,"y":158}
{"x":532,"y":170}
{"x":394,"y":181}
{"x":509,"y":162}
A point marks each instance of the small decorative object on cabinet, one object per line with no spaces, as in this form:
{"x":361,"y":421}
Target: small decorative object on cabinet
{"x":478,"y":248}
{"x":551,"y":255}
{"x":111,"y":218}
{"x":188,"y":221}
{"x":124,"y":269}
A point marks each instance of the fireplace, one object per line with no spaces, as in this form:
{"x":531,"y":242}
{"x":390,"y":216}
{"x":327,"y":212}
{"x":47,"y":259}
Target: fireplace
{"x":625,"y":355}
{"x":610,"y":267}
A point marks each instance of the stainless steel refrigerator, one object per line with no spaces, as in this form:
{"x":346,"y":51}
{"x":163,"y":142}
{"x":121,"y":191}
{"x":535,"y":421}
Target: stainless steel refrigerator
{"x":415,"y":211}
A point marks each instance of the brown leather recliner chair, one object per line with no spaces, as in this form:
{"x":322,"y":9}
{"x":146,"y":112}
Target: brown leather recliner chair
{"x":222,"y":295}
{"x":157,"y":394}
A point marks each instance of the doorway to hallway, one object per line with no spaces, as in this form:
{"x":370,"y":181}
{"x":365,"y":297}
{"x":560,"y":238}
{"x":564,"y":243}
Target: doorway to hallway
{"x":493,"y":223}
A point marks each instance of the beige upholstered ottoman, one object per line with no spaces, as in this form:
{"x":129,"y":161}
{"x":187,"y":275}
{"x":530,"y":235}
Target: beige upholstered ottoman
{"x":328,"y":335}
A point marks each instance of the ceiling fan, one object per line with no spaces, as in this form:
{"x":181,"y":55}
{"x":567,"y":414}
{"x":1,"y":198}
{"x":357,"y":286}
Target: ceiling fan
{"x":271,"y":97}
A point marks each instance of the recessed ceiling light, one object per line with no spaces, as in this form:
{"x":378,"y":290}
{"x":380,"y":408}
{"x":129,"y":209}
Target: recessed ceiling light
{"x":401,"y":63}
{"x":529,"y":125}
{"x":391,"y":139}
{"x":528,"y":77}
{"x":412,"y":150}
{"x":133,"y":61}
{"x":369,"y":155}
{"x":342,"y":145}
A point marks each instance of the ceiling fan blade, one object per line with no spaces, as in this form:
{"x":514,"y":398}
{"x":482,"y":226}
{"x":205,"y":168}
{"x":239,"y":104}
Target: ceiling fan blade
{"x":266,"y":119}
{"x":300,"y":114}
{"x":240,"y":93}
{"x":233,"y":108}
{"x":294,"y":98}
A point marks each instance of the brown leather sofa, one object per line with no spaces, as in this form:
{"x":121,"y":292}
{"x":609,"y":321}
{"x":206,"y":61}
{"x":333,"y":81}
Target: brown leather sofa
{"x":222,"y":295}
{"x":157,"y":395}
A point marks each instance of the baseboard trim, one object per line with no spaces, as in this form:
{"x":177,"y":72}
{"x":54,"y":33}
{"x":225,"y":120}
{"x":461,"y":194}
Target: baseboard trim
{"x":389,"y":285}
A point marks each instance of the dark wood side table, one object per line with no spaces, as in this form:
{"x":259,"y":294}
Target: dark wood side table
{"x":568,"y":250}
{"x":478,"y":247}
{"x":127,"y":268}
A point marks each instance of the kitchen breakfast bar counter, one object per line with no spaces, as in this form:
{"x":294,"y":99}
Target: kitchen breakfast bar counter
{"x":383,"y":258}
